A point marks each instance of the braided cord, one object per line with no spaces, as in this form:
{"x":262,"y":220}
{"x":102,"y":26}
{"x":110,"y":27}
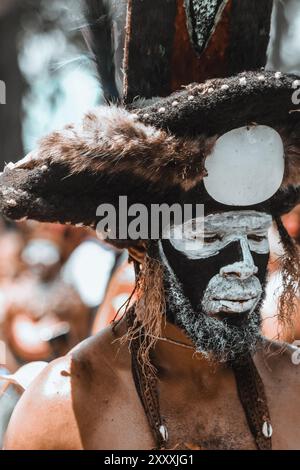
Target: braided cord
{"x":253,"y":398}
{"x":250,"y":390}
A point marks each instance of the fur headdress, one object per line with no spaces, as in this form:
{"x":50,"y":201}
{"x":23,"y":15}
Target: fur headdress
{"x":152,"y":151}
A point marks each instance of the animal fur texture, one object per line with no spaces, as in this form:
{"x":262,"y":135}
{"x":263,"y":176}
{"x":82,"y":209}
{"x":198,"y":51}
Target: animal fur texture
{"x":153,"y":153}
{"x":111,"y":140}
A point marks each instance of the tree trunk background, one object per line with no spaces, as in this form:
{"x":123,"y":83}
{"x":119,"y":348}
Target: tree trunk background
{"x":11,"y":148}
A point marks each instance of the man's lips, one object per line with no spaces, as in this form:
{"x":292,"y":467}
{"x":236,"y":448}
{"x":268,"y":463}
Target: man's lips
{"x":236,"y":305}
{"x":231,"y":296}
{"x":236,"y":299}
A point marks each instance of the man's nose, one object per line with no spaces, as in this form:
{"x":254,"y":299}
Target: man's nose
{"x":244,"y":268}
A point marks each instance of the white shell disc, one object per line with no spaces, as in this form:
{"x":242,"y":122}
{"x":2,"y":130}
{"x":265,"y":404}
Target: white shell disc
{"x":246,"y":166}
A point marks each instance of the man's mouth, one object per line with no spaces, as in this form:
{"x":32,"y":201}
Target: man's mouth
{"x":235,"y":299}
{"x":231,"y":297}
{"x":235,"y":305}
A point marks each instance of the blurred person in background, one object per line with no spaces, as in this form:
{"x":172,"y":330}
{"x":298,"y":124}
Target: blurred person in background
{"x":270,"y":308}
{"x":48,"y":308}
{"x":52,"y":279}
{"x":119,"y":292}
{"x":44,"y":52}
{"x":43,"y":315}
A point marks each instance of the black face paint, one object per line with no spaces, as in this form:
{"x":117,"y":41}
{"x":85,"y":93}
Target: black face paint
{"x":194,"y":275}
{"x":215,"y":295}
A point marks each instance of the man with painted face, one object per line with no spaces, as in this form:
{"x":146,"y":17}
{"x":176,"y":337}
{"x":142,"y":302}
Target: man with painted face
{"x":194,"y":333}
{"x":220,"y":281}
{"x":217,"y":276}
{"x":186,"y":367}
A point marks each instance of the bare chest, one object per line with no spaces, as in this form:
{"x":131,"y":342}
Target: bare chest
{"x":194,"y":420}
{"x":218,"y":421}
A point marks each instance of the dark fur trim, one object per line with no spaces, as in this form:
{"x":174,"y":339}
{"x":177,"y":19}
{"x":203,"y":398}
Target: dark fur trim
{"x":219,"y":105}
{"x":112,"y":141}
{"x":53,"y":195}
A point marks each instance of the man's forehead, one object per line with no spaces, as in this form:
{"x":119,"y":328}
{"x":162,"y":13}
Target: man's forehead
{"x":227,"y":221}
{"x":238,"y":219}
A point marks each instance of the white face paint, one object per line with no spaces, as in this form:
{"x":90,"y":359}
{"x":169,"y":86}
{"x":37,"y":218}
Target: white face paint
{"x":246,"y":166}
{"x":235,"y":289}
{"x":216,"y":231}
{"x":231,"y":295}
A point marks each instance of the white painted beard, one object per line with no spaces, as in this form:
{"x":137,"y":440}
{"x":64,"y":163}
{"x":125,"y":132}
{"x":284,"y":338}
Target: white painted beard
{"x":232,"y":295}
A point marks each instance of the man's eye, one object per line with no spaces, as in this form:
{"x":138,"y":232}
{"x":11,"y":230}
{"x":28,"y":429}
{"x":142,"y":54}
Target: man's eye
{"x":257,"y":238}
{"x":212,"y":238}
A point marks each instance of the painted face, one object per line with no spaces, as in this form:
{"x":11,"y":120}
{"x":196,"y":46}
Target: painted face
{"x":220,"y":273}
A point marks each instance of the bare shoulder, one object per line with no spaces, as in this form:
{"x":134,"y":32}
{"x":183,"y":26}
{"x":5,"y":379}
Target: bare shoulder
{"x":48,"y":407}
{"x":44,"y":412}
{"x":100,"y":362}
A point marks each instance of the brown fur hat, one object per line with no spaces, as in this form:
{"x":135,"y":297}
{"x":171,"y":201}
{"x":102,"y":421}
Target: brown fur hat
{"x":151,"y":153}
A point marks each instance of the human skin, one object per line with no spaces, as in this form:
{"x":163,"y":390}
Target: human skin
{"x":88,"y":400}
{"x":292,"y":222}
{"x":271,"y":327}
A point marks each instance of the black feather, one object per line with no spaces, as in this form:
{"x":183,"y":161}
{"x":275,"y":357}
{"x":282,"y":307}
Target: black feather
{"x":98,"y":34}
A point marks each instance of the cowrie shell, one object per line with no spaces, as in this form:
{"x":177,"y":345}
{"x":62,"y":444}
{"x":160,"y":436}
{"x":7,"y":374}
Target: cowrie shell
{"x":267,"y":429}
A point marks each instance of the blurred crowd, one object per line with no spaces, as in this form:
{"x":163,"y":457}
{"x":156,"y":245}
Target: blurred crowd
{"x":58,"y":285}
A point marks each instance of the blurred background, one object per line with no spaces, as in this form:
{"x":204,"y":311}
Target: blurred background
{"x":53,"y":279}
{"x":49,"y":76}
{"x":58,"y":285}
